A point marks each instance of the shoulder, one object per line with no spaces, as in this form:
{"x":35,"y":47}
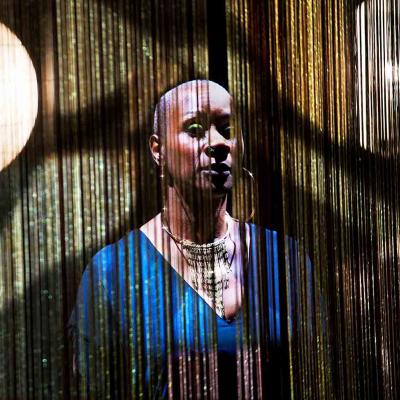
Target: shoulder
{"x":129,"y":258}
{"x":269,"y":236}
{"x":271,"y":241}
{"x":113,"y":253}
{"x":102,"y":275}
{"x":103,"y":272}
{"x":254,"y":233}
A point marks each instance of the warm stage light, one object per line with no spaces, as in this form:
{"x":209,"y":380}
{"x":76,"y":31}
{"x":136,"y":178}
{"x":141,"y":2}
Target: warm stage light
{"x":18,"y":96}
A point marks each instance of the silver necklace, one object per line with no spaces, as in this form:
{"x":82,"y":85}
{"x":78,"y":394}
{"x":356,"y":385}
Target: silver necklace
{"x":209,"y":266}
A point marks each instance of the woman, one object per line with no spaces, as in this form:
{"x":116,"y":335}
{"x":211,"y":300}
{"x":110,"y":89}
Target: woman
{"x":176,"y":308}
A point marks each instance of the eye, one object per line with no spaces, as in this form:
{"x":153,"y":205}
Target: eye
{"x":226,"y":131}
{"x":195,"y":129}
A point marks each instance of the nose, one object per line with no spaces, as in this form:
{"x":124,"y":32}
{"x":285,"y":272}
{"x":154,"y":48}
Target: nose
{"x":218,"y":147}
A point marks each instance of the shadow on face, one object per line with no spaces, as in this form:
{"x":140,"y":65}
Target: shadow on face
{"x":199,"y":151}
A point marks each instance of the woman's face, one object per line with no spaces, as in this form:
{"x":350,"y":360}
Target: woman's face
{"x":200,"y":146}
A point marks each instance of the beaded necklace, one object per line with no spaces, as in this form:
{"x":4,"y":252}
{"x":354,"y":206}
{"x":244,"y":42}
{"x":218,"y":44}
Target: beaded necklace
{"x":209,"y":266}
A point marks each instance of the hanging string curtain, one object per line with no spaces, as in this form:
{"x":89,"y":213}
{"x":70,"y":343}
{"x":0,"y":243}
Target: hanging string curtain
{"x":316,"y":91}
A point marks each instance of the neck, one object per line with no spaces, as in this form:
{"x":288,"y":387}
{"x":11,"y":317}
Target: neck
{"x":199,"y":220}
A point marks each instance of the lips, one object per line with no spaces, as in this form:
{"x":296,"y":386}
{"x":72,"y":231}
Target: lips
{"x":219,"y":175}
{"x":221,"y":169}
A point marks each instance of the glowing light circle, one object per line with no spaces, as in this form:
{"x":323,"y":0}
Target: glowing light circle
{"x":18,"y":96}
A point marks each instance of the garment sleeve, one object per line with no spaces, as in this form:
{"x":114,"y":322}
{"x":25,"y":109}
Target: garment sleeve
{"x":91,"y":320}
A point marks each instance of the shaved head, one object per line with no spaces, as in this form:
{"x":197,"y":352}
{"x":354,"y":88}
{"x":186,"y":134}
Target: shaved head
{"x":193,"y":134}
{"x":178,"y":95}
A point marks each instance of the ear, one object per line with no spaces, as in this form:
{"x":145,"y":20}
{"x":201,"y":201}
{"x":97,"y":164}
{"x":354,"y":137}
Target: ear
{"x":155,"y":148}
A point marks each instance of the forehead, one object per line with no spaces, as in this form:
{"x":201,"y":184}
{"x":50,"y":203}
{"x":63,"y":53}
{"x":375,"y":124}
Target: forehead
{"x":204,"y":97}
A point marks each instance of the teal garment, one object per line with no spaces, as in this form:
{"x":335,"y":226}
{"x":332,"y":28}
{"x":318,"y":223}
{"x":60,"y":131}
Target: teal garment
{"x":136,"y":322}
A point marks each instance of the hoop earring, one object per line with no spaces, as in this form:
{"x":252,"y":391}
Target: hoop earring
{"x":253,"y":184}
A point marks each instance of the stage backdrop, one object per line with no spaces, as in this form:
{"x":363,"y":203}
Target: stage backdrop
{"x":316,"y":86}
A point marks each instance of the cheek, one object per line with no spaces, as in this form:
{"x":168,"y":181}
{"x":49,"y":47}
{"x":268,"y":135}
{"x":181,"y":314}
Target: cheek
{"x":182,"y":155}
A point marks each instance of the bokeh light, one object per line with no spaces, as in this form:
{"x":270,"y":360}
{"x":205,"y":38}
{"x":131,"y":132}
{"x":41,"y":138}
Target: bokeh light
{"x":18,"y":96}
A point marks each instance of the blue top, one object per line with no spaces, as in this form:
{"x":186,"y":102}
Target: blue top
{"x":137,"y":325}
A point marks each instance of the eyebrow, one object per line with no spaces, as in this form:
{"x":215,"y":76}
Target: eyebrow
{"x":191,"y":114}
{"x":199,"y":113}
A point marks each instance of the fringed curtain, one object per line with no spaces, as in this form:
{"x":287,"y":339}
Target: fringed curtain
{"x":316,"y":92}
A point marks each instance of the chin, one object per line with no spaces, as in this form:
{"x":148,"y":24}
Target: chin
{"x":217,"y":194}
{"x":217,"y":188}
{"x":220,"y":191}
